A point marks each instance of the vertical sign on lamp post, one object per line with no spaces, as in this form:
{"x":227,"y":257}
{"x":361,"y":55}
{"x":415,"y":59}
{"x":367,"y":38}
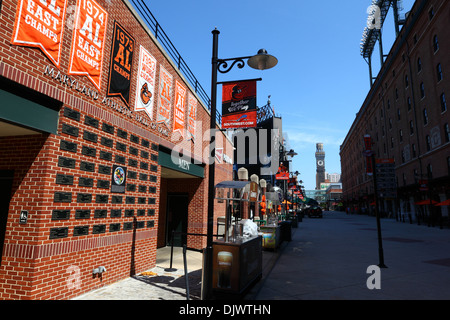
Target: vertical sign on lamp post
{"x":371,"y":171}
{"x":368,"y":153}
{"x":239,"y":104}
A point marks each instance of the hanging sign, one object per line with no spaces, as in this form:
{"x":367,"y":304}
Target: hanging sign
{"x":121,"y":64}
{"x":368,"y":153}
{"x":145,"y":87}
{"x":282,"y":173}
{"x":179,"y":109}
{"x":192,"y":115}
{"x":239,"y":104}
{"x":88,"y":41}
{"x":40,"y":24}
{"x":164,"y":97}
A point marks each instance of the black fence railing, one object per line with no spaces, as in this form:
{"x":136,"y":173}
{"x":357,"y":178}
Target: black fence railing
{"x":164,"y":40}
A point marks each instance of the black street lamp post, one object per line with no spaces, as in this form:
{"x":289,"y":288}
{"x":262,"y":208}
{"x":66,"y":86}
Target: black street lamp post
{"x":261,"y":61}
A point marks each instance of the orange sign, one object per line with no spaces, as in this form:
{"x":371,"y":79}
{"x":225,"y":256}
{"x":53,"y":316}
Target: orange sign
{"x":40,"y":24}
{"x":88,"y":41}
{"x":164,"y":96}
{"x":192,"y":115}
{"x":180,"y":108}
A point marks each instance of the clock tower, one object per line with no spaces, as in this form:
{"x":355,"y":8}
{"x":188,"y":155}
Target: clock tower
{"x":320,"y":165}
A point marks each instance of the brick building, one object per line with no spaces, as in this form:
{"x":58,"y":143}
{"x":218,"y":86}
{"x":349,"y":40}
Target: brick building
{"x":87,"y":175}
{"x":406,"y":115}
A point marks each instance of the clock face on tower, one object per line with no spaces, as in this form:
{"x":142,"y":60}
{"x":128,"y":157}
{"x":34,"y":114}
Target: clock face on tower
{"x":320,"y":163}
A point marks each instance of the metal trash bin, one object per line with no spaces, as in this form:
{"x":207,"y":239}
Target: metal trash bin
{"x":285,"y":231}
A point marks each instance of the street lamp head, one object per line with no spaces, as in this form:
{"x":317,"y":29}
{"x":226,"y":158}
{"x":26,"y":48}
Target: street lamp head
{"x":292,"y":153}
{"x":262,"y":61}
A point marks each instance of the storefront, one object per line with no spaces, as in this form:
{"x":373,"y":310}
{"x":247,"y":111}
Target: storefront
{"x":89,"y":188}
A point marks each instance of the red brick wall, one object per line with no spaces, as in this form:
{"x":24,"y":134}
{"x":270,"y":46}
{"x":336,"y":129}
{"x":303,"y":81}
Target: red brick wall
{"x":37,"y":267}
{"x":388,"y":97}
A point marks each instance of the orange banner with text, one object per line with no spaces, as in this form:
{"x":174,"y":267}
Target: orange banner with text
{"x":40,"y":24}
{"x":180,"y":108}
{"x":88,"y":42}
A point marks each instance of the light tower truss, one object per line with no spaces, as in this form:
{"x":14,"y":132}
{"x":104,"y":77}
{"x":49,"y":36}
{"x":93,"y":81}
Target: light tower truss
{"x":372,"y":34}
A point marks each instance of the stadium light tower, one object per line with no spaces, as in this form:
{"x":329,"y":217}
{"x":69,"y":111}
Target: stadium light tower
{"x":377,"y":12}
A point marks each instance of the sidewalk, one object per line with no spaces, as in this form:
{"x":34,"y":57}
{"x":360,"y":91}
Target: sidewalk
{"x":160,"y":283}
{"x":327,"y":259}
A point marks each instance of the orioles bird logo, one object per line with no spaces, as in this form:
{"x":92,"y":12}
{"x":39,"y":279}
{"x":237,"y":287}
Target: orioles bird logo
{"x":145,"y":94}
{"x":238,"y":92}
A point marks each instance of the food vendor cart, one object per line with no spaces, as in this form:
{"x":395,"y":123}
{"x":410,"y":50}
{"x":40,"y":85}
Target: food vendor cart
{"x":237,"y":257}
{"x":271,"y":231}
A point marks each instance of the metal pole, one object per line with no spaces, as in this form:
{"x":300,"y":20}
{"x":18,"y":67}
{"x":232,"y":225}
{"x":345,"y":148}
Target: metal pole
{"x":186,"y":275}
{"x":207,"y":270}
{"x":377,"y":213}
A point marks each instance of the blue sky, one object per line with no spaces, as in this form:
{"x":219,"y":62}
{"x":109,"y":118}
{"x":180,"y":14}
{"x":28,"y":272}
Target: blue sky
{"x":321,"y":79}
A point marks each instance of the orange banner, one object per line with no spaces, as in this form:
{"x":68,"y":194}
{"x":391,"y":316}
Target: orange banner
{"x":180,"y":108}
{"x":164,"y":97}
{"x":192,"y":115}
{"x":88,"y":41}
{"x":40,"y":24}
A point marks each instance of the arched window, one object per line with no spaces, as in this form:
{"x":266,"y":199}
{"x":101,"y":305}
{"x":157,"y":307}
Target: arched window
{"x":435,"y":43}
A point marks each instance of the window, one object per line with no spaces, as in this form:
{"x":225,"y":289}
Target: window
{"x":400,"y":135}
{"x":428,"y":142}
{"x":411,"y":127}
{"x":406,"y":81}
{"x":413,"y":147}
{"x":431,"y":13}
{"x":419,"y":65}
{"x":390,"y":123}
{"x":389,"y":104}
{"x":439,"y":72}
{"x":409,"y":104}
{"x":425,"y":116}
{"x":430,"y":171}
{"x":446,"y":132}
{"x":398,"y":114}
{"x":443,"y":103}
{"x":435,"y":43}
{"x":422,"y":90}
{"x":392,"y":142}
{"x":448,"y":165}
{"x":396,"y":94}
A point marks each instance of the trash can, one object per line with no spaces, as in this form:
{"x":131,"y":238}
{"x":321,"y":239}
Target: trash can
{"x":285,"y":231}
{"x":294,"y":221}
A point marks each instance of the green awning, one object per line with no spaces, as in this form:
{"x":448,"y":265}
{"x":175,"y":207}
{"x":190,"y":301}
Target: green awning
{"x":180,"y":164}
{"x":24,"y":112}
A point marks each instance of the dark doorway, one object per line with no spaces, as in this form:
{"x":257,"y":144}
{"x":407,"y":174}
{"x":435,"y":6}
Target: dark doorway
{"x":6,"y":181}
{"x":177,"y":218}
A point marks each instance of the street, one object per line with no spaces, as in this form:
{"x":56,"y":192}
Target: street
{"x":336,"y":258}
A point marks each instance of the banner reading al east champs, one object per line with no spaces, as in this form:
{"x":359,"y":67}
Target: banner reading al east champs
{"x":179,"y":109}
{"x":86,"y":57}
{"x":40,"y":24}
{"x":164,"y":97}
{"x":192,"y":115}
{"x":145,"y":87}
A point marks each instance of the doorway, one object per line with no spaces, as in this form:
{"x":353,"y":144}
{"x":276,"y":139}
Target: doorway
{"x":6,"y":182}
{"x":177,"y":219}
